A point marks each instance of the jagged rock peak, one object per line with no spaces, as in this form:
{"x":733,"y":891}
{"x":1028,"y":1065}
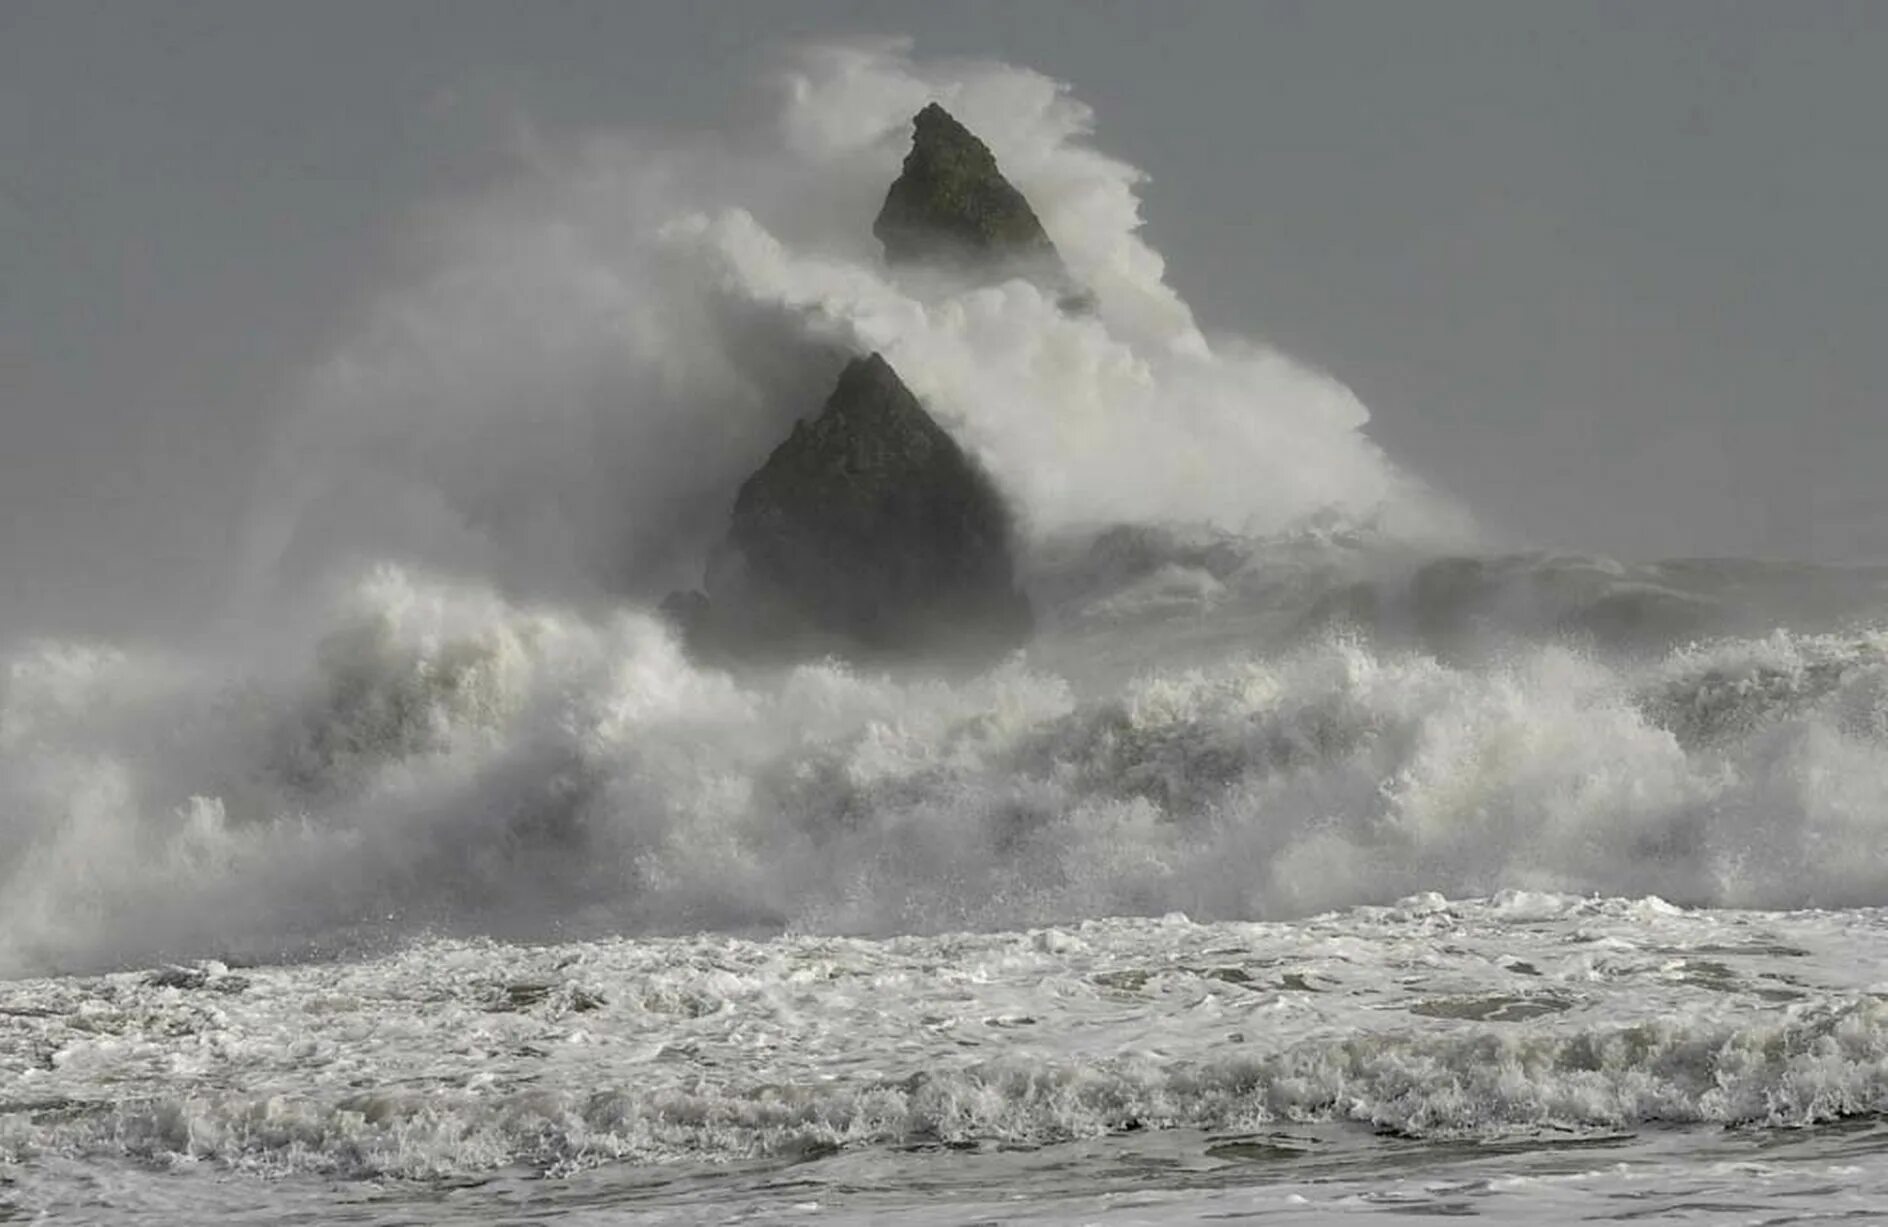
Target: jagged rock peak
{"x":868,"y":531}
{"x":951,"y":203}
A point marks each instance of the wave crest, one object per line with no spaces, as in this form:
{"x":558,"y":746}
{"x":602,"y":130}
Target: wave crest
{"x":445,"y":760}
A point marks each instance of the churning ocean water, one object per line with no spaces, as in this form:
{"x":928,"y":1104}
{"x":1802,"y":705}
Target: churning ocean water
{"x":1318,"y":858}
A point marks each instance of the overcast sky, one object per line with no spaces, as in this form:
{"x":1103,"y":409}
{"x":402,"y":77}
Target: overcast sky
{"x":1614,"y":274}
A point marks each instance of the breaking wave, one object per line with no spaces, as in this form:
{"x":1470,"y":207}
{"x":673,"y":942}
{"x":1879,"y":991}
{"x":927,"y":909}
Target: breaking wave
{"x":443,"y":760}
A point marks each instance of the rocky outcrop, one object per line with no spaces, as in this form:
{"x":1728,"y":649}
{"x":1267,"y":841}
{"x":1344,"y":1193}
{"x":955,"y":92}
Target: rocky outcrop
{"x":952,"y":206}
{"x":868,"y":532}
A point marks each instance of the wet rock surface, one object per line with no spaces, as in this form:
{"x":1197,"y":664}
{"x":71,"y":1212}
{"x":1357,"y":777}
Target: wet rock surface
{"x":951,"y":206}
{"x":867,"y":532}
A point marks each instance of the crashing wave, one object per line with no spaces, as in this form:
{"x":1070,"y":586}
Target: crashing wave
{"x":445,"y":760}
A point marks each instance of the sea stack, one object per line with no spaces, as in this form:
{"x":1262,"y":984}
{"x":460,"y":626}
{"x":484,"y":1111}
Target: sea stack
{"x":951,"y":206}
{"x":868,"y":532}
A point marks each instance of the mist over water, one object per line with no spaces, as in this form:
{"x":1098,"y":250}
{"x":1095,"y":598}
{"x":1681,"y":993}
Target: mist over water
{"x":443,"y":706}
{"x":586,"y":362}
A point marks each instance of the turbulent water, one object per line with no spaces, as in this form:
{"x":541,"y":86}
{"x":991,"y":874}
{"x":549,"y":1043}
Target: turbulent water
{"x":1319,"y":856}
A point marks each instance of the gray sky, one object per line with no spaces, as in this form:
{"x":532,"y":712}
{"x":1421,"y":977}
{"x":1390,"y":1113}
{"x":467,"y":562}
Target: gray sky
{"x":1613,"y":273}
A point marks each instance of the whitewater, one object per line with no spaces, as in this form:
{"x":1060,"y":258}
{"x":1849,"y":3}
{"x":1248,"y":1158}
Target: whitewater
{"x":1323,"y":854}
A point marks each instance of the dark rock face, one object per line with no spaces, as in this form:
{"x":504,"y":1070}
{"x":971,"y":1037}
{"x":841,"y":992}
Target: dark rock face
{"x":951,"y":205}
{"x":867,"y":532}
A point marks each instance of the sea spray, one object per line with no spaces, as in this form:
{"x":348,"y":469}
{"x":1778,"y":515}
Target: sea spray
{"x":580,"y":365}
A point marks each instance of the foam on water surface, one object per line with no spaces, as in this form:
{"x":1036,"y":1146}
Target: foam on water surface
{"x":1531,"y":1019}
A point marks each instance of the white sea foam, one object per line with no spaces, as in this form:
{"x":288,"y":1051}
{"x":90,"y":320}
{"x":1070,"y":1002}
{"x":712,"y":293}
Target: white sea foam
{"x":1517,"y":1015}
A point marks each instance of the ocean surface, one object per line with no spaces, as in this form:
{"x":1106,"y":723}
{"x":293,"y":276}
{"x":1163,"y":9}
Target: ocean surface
{"x":1323,"y":855}
{"x":585,"y":932}
{"x":1531,"y":1057}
